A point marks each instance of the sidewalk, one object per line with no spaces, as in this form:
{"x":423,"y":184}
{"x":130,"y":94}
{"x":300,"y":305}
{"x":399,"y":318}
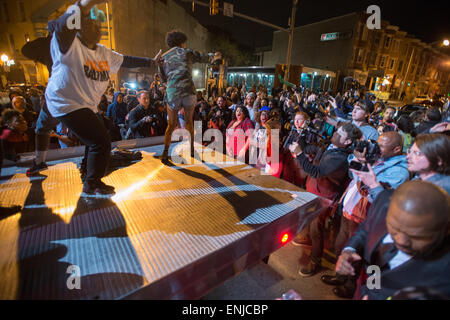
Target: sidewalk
{"x":269,"y":281}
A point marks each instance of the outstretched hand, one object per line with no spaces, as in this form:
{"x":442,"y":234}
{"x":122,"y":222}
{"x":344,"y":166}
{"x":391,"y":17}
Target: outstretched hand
{"x":158,"y":59}
{"x":344,"y":264}
{"x":86,"y":5}
{"x":369,"y":178}
{"x":217,"y":56}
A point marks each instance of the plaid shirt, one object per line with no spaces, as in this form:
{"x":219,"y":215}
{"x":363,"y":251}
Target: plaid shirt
{"x":235,"y":141}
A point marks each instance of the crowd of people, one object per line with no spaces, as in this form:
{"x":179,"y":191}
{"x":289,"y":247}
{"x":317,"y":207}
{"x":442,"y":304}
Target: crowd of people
{"x":347,"y":147}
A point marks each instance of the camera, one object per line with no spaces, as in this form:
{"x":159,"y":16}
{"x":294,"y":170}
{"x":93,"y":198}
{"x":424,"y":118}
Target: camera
{"x":373,"y":150}
{"x":358,"y":166}
{"x":311,"y":135}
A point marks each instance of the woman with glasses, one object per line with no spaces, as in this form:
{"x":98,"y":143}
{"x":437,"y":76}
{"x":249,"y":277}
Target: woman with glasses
{"x":429,"y":159}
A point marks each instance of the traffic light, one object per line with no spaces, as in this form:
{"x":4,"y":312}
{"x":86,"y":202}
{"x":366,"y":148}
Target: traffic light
{"x":213,"y":7}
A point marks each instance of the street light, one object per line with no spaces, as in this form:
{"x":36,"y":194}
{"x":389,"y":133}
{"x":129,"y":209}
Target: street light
{"x":446,"y":42}
{"x":4,"y":58}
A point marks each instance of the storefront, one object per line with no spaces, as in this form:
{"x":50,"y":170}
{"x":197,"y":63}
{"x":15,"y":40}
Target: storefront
{"x":317,"y":79}
{"x":252,"y":76}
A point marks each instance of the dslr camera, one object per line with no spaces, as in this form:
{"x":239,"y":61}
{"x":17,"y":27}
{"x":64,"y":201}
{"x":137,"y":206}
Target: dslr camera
{"x":373,"y":153}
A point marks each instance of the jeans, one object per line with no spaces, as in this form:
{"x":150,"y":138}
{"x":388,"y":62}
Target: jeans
{"x":45,"y":123}
{"x":91,"y":131}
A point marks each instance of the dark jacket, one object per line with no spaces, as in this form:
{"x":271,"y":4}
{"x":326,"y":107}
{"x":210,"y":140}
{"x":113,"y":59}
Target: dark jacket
{"x":138,"y":126}
{"x":117,"y":111}
{"x":430,"y":271}
{"x":330,"y":177}
{"x":425,"y":127}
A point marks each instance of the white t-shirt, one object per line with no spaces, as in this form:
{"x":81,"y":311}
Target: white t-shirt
{"x":79,"y":77}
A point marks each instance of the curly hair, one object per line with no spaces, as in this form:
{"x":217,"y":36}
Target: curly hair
{"x":175,"y":38}
{"x":244,"y":111}
{"x":8,"y":115}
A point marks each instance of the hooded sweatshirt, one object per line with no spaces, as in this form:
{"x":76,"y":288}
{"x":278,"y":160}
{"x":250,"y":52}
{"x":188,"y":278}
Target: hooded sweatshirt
{"x":117,"y":111}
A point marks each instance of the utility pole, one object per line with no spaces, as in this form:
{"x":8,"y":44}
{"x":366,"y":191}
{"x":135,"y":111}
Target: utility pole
{"x":406,"y":75}
{"x":290,"y":31}
{"x":290,"y":42}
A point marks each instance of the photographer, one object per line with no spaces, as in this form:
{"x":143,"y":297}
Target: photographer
{"x":225,"y":111}
{"x":143,"y":117}
{"x":217,"y":119}
{"x":360,"y":115}
{"x":291,"y":169}
{"x":391,"y":170}
{"x":327,"y":179}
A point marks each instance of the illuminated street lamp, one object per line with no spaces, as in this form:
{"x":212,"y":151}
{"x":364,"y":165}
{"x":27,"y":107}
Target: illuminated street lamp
{"x":4,"y":58}
{"x":446,"y":42}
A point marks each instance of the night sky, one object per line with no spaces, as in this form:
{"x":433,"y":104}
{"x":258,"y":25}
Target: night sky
{"x":427,"y":20}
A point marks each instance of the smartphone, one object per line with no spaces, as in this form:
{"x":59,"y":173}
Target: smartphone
{"x":358,"y":166}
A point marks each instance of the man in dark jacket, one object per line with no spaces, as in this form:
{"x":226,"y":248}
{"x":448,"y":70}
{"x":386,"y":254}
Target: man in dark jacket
{"x":117,"y":110}
{"x":142,"y":118}
{"x":406,"y":237}
{"x":327,"y":179}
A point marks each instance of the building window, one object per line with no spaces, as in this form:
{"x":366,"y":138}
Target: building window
{"x":366,"y":60}
{"x":400,"y":67}
{"x":391,"y":64}
{"x":365,"y":33}
{"x":360,"y":56}
{"x":377,"y":39}
{"x":396,"y":45}
{"x":22,"y":12}
{"x":373,"y":59}
{"x":387,"y":42}
{"x":382,"y":61}
{"x":5,"y":12}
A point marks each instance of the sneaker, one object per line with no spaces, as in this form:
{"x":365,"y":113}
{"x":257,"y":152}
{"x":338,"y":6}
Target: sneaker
{"x":36,"y":168}
{"x":301,"y":240}
{"x":309,"y":270}
{"x":164,"y":156}
{"x":105,"y":187}
{"x":99,"y":189}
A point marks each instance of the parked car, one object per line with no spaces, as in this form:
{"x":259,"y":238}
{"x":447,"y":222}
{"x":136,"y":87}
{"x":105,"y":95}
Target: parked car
{"x":421,"y":98}
{"x":408,"y":109}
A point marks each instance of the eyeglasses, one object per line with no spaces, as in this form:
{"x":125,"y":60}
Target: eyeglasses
{"x":416,"y":153}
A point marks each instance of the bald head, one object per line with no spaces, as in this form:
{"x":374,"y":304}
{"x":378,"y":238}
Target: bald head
{"x":391,"y":144}
{"x":423,"y":198}
{"x":418,"y":216}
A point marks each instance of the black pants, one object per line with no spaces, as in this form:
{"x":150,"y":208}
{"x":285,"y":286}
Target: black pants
{"x":91,"y":131}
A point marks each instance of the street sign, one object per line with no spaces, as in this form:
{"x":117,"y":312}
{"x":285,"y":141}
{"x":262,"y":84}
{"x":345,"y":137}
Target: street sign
{"x":329,"y":36}
{"x":228,"y":9}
